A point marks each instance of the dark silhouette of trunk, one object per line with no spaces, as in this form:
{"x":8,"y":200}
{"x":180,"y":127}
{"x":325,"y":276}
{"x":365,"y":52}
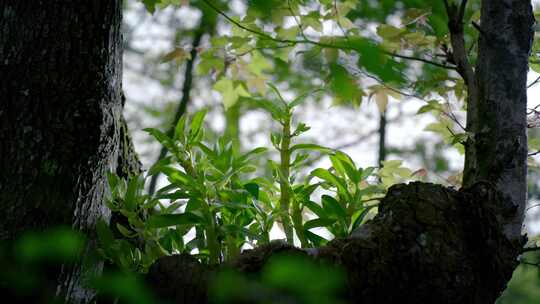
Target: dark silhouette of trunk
{"x":497,"y":105}
{"x":182,"y":106}
{"x":61,"y":126}
{"x":382,"y":137}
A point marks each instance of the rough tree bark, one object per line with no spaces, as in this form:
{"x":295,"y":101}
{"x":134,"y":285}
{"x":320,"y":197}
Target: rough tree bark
{"x":430,"y":244}
{"x":498,"y":150}
{"x":61,"y":126}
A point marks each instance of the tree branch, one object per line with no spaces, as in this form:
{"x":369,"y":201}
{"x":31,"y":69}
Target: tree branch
{"x":441,"y":65}
{"x":186,"y":89}
{"x":312,"y":42}
{"x":465,"y":69}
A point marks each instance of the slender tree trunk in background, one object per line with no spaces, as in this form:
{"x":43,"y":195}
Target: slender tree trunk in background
{"x":61,"y":126}
{"x":186,"y":91}
{"x":382,"y":137}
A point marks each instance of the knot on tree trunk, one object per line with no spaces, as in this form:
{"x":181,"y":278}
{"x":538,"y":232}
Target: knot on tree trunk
{"x":427,"y":244}
{"x":430,"y":244}
{"x":179,"y":279}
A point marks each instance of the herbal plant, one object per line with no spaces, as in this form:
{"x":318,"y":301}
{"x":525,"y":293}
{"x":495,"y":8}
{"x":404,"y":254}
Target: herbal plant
{"x":215,"y":203}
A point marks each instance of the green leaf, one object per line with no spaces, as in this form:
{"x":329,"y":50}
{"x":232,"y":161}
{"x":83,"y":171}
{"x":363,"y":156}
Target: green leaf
{"x":344,"y":86}
{"x":432,"y":105}
{"x":166,"y":220}
{"x":124,"y":231}
{"x":359,"y":216}
{"x":332,"y":179}
{"x":366,"y":172}
{"x":299,"y":159}
{"x":320,"y":222}
{"x":301,"y":128}
{"x":158,"y":166}
{"x":278,"y":94}
{"x":180,"y":128}
{"x":277,"y":112}
{"x":258,"y":64}
{"x":253,"y":189}
{"x":229,"y":93}
{"x":193,"y":205}
{"x":150,"y":5}
{"x":373,"y":59}
{"x":302,"y":98}
{"x":338,"y":165}
{"x":332,"y":205}
{"x":178,"y":54}
{"x":173,"y":195}
{"x":252,"y":153}
{"x":196,"y":124}
{"x":104,"y":234}
{"x":315,"y":208}
{"x":316,"y":239}
{"x":389,"y":32}
{"x":534,"y":143}
{"x":161,"y":137}
{"x":112,"y":179}
{"x":343,"y":163}
{"x":312,"y":147}
{"x":130,"y":201}
{"x":460,"y":138}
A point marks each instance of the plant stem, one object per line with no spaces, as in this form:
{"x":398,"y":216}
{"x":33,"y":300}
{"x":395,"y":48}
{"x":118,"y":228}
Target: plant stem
{"x":232,"y":130}
{"x":212,"y":242}
{"x":285,"y":198}
{"x":214,"y":247}
{"x":233,"y":250}
{"x":297,"y":222}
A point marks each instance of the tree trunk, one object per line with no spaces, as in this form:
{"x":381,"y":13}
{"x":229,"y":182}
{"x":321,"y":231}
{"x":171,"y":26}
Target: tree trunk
{"x":382,"y":137}
{"x":430,"y":244}
{"x":61,"y":126}
{"x":499,"y":145}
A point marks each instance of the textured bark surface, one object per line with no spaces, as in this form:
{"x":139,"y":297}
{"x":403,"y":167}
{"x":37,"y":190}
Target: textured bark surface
{"x":60,"y":118}
{"x":498,"y":150}
{"x":428,"y":244}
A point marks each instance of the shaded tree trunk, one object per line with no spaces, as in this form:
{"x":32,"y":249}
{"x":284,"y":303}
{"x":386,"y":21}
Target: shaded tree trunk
{"x":382,"y":137}
{"x":61,"y":126}
{"x":498,"y":149}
